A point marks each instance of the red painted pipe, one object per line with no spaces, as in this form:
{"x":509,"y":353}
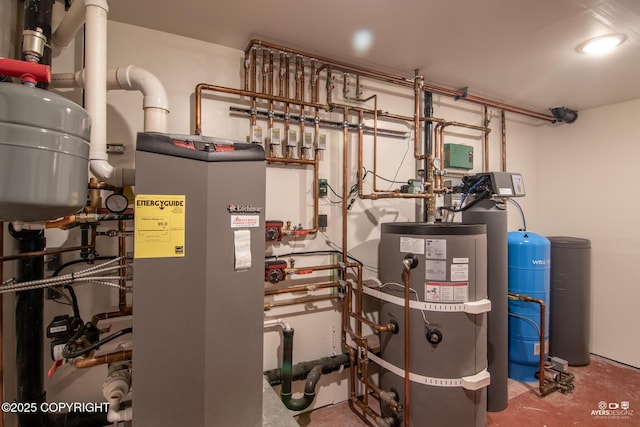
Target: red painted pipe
{"x":29,"y":72}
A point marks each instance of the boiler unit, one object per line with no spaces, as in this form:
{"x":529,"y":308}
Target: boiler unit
{"x":199,"y":293}
{"x":448,"y":323}
{"x":529,"y":274}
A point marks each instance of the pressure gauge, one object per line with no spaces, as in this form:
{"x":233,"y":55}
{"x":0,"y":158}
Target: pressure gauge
{"x":436,"y":163}
{"x":116,"y":203}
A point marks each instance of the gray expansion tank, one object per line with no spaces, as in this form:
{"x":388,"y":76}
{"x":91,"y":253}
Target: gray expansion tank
{"x":44,"y":154}
{"x":449,"y":378}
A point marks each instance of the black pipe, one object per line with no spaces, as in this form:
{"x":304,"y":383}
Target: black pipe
{"x":301,"y":370}
{"x":30,"y":343}
{"x":296,"y":404}
{"x":428,"y":146}
{"x":30,"y":329}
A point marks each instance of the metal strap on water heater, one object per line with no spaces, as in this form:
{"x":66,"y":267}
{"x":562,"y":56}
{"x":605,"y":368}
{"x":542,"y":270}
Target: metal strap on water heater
{"x":475,"y":307}
{"x":471,"y":382}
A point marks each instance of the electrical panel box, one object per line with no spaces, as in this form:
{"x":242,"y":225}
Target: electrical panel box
{"x":458,"y":156}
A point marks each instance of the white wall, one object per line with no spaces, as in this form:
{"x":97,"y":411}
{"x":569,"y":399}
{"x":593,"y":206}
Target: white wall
{"x":587,"y":179}
{"x":181,"y":63}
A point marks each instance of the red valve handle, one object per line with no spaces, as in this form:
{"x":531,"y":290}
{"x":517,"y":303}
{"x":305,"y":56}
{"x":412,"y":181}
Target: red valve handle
{"x":29,"y":72}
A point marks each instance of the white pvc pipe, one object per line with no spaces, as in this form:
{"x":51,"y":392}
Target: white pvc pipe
{"x":96,"y":85}
{"x":155,"y":101}
{"x":70,"y":24}
{"x":277,"y":322}
{"x":120,"y":416}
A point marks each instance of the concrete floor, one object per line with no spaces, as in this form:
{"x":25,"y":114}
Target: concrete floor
{"x":602,"y":383}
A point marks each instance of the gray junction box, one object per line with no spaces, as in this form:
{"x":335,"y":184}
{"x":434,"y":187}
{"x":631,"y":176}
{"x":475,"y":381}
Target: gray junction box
{"x":198,"y":318}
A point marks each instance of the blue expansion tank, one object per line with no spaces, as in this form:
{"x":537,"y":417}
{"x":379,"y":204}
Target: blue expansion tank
{"x":529,"y":274}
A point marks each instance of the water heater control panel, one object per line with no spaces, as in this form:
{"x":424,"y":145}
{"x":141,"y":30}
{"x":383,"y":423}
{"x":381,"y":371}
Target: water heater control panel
{"x":500,"y":184}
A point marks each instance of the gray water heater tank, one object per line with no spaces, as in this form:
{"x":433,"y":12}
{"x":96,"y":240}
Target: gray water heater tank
{"x":44,"y":154}
{"x":449,"y":377}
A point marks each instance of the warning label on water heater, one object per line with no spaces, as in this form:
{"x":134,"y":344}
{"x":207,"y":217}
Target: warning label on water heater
{"x":159,"y":226}
{"x":446,"y":291}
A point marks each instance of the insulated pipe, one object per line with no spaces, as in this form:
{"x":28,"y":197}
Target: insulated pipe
{"x":301,"y":370}
{"x":345,"y":181}
{"x":287,"y":374}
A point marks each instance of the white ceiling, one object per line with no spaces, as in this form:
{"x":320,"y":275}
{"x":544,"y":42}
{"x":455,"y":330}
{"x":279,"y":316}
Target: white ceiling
{"x":521,"y":52}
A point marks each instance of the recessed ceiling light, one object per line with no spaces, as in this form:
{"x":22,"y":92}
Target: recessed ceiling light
{"x":601,"y":45}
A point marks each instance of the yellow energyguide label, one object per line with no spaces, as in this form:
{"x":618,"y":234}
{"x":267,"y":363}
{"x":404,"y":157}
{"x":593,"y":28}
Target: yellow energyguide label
{"x":159,"y":226}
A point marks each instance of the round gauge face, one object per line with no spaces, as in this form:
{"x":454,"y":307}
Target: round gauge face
{"x":437,"y":163}
{"x":116,"y":203}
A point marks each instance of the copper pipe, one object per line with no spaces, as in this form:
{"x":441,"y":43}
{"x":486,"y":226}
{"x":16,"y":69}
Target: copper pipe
{"x":286,"y":76}
{"x":302,"y":300}
{"x":281,"y":76}
{"x":416,"y":105}
{"x":47,"y":252}
{"x":298,"y":78}
{"x":122,"y":253}
{"x":485,"y":101}
{"x":402,"y":81}
{"x":247,"y":67}
{"x":329,"y":86}
{"x":347,"y":67}
{"x":543,"y":327}
{"x":504,"y":140}
{"x":406,"y":275}
{"x":379,"y":393}
{"x":254,"y":71}
{"x":301,"y":288}
{"x":345,"y":181}
{"x":265,"y":70}
{"x":203,"y":86}
{"x":390,"y":327}
{"x":396,"y":195}
{"x":128,"y":311}
{"x":485,"y":122}
{"x":368,"y":412}
{"x":313,"y":77}
{"x":81,"y":363}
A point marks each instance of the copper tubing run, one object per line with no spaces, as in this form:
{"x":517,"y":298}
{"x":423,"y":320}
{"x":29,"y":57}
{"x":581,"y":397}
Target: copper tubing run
{"x":544,"y":389}
{"x":403,"y":81}
{"x":302,"y":300}
{"x":390,"y":327}
{"x":128,"y":311}
{"x":485,"y":123}
{"x":43,"y":253}
{"x":122,"y":253}
{"x":301,"y":288}
{"x":504,"y":140}
{"x":208,"y":87}
{"x":90,"y":362}
{"x":406,"y":275}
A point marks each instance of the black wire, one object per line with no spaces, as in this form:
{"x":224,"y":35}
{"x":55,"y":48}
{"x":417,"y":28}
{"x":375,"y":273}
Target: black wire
{"x":334,"y":191}
{"x":80,"y":261}
{"x":382,"y":178}
{"x":313,"y":253}
{"x":67,"y":355}
{"x":74,"y":301}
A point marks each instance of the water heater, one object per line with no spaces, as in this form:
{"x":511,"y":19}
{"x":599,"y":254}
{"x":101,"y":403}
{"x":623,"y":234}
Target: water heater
{"x":448,"y":324}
